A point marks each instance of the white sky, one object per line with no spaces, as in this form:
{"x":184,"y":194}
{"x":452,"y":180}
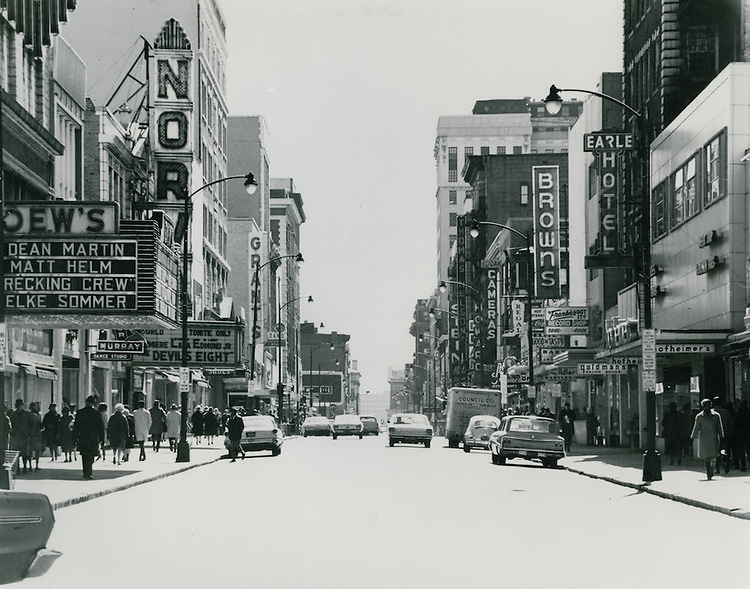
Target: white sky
{"x":351,"y":91}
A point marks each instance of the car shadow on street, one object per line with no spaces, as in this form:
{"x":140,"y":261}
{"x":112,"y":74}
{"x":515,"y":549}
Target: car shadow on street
{"x":74,"y":475}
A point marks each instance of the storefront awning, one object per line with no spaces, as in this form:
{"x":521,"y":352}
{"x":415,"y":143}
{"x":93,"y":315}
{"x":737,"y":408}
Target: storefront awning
{"x":666,"y":337}
{"x":571,"y":358}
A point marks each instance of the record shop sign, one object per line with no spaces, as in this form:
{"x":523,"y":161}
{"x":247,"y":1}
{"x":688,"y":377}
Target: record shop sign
{"x":211,"y":344}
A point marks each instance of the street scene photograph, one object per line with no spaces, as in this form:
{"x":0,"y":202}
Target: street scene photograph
{"x":374,"y":293}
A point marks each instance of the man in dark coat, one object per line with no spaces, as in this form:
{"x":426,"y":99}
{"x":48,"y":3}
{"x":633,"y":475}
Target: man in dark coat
{"x":88,"y":431}
{"x":566,"y":418}
{"x":234,"y":426}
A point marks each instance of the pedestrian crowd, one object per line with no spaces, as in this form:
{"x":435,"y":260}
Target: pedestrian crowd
{"x":91,"y":430}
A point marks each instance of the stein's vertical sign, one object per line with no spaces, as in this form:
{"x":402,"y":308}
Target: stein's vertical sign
{"x":172,"y":128}
{"x":547,"y":230}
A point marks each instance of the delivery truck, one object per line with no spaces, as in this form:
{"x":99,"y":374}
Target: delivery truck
{"x":462,"y":405}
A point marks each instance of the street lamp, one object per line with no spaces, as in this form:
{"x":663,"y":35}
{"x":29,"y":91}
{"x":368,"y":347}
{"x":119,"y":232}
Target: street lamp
{"x":279,"y":325}
{"x":332,"y":347}
{"x":298,"y":257}
{"x":553,"y":104}
{"x":183,"y":448}
{"x":530,"y":290}
{"x":443,"y":286}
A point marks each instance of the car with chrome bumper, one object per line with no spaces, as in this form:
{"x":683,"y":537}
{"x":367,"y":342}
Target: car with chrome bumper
{"x":260,"y":432}
{"x":316,"y":425}
{"x":479,"y":430}
{"x":529,"y":437}
{"x":346,"y":425}
{"x":409,"y":428}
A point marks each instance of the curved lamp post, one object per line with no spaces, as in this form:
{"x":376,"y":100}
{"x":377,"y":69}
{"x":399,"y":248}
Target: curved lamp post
{"x":183,"y":448}
{"x":256,"y":303}
{"x":332,"y":347}
{"x":280,"y":385}
{"x":443,"y":286}
{"x":553,"y":104}
{"x":530,"y":290}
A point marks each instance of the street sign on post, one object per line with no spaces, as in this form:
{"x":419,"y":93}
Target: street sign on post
{"x":648,"y":349}
{"x":184,"y":379}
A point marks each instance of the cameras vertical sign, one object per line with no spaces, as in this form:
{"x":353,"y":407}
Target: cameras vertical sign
{"x":546,"y":182}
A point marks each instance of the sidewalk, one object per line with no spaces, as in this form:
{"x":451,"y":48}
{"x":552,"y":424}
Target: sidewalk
{"x":725,"y":493}
{"x":64,"y":484}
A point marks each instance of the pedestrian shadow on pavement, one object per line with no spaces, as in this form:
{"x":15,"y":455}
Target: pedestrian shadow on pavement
{"x":73,"y":475}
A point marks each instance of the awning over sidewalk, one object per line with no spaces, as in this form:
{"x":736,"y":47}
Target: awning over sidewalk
{"x":665,"y":337}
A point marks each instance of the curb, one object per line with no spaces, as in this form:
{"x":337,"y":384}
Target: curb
{"x":644,"y":488}
{"x":128,"y":485}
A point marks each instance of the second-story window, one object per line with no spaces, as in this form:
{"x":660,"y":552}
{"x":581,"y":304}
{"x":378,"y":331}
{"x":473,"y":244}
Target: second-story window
{"x":452,"y":197}
{"x":714,"y":186}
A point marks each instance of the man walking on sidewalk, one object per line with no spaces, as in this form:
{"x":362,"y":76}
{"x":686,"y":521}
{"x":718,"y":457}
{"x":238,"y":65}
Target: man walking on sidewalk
{"x":708,"y":431}
{"x":234,"y":426}
{"x":88,"y":431}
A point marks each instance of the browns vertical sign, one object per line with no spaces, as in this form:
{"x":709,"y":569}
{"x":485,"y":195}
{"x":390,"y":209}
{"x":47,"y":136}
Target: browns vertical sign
{"x":546,"y":182}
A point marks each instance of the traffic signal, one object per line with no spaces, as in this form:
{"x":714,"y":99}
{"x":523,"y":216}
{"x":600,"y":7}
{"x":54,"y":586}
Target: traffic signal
{"x":280,"y":389}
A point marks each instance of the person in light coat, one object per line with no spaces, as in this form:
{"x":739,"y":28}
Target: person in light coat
{"x":142,"y":426}
{"x":174,"y":426}
{"x":708,"y":430}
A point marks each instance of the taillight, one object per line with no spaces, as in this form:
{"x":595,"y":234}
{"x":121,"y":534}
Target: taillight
{"x":274,"y":431}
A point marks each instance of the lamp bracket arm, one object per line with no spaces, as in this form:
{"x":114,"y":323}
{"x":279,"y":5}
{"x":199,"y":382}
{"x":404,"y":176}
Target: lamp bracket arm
{"x":605,"y":97}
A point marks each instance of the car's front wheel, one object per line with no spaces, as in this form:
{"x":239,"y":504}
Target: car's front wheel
{"x":467,"y":448}
{"x":391,"y":443}
{"x":550,"y":462}
{"x":427,"y":443}
{"x":275,"y":451}
{"x":335,"y":436}
{"x":360,"y":436}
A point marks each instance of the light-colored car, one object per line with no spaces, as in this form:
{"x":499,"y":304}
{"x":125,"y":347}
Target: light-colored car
{"x":370,"y":425}
{"x":261,"y":433}
{"x":346,"y":425}
{"x":409,"y":428}
{"x":529,"y":437}
{"x":477,"y":434}
{"x":316,"y":425}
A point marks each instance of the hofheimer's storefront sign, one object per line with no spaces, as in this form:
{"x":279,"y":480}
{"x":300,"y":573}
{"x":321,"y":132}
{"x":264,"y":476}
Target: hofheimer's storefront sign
{"x":211,"y":344}
{"x":75,"y":264}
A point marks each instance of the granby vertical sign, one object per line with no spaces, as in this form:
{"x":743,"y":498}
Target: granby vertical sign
{"x":172,"y":128}
{"x":546,"y":182}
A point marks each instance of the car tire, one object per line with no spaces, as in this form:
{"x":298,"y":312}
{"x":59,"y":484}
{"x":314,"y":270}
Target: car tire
{"x":467,"y":448}
{"x":391,"y":443}
{"x":427,"y":443}
{"x":550,"y":462}
{"x":335,"y":436}
{"x":495,"y":458}
{"x":452,"y":443}
{"x":275,"y":451}
{"x":304,"y":435}
{"x":360,"y":436}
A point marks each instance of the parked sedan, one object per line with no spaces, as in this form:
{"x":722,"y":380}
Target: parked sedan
{"x":370,"y":424}
{"x":529,"y":437}
{"x":478,"y":432}
{"x":346,"y":425}
{"x":316,"y":425}
{"x":409,"y":428}
{"x":261,"y":433}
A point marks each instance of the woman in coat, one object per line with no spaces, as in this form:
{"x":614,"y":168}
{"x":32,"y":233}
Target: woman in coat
{"x":142,"y":427}
{"x":50,"y":423}
{"x":708,"y":431}
{"x":118,"y":431}
{"x":65,"y":434}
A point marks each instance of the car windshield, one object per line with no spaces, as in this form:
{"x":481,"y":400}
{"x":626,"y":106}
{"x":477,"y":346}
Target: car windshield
{"x":347,"y":419}
{"x":491,"y":423}
{"x":258,"y":421}
{"x":525,"y":424}
{"x":411,"y":419}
